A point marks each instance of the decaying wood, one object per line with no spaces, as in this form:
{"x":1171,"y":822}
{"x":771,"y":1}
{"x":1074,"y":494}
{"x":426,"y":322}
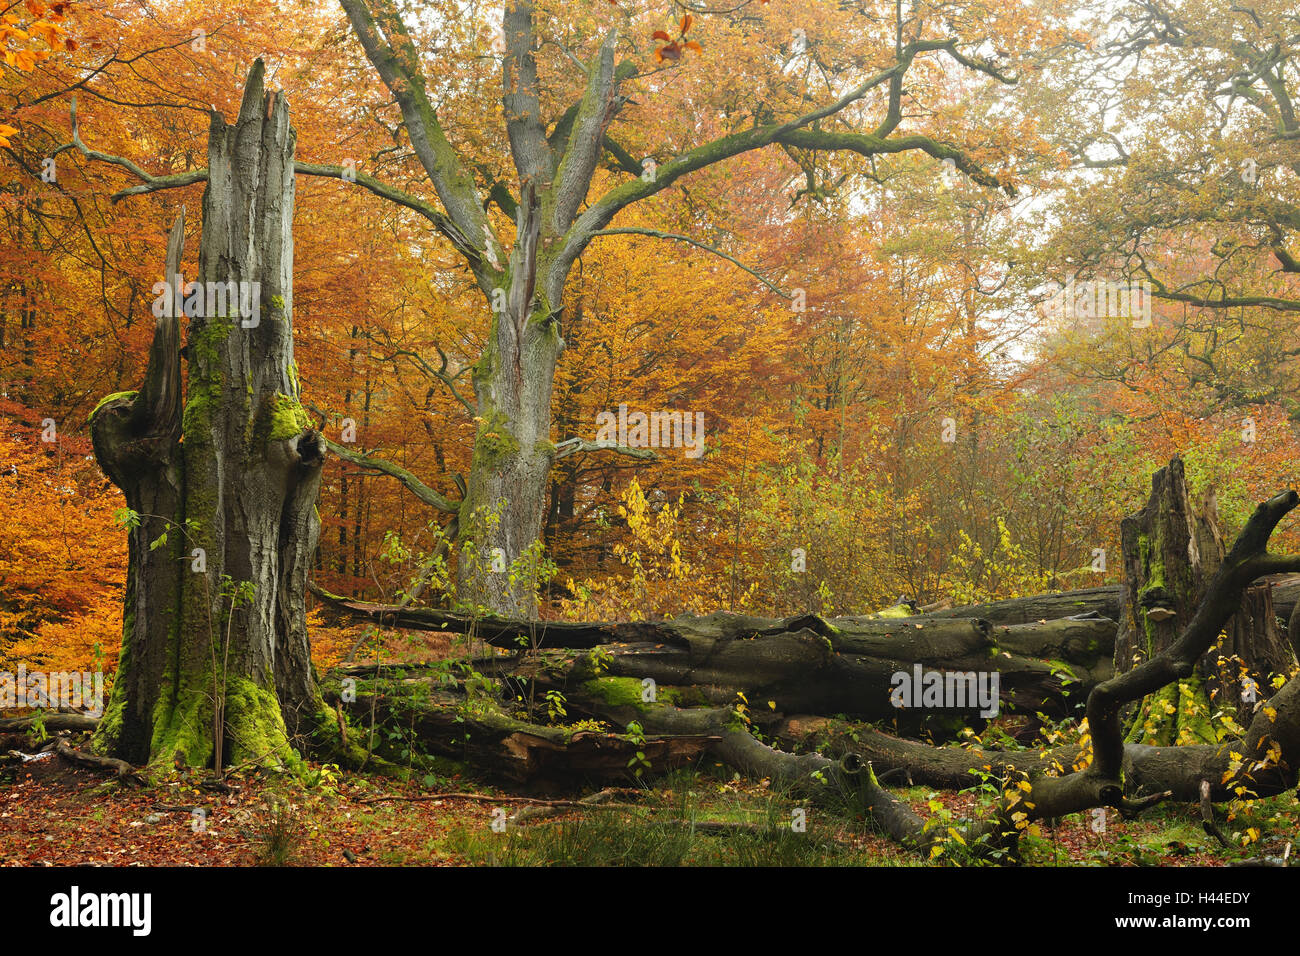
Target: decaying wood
{"x":223,"y":477}
{"x":1171,"y":550}
{"x":695,"y":656}
{"x":51,"y":722}
{"x":807,"y":664}
{"x":121,"y":768}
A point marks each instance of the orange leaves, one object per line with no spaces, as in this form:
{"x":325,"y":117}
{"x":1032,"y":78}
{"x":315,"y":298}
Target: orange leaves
{"x":672,"y":49}
{"x":62,"y":557}
{"x":5,"y":133}
{"x":16,"y":38}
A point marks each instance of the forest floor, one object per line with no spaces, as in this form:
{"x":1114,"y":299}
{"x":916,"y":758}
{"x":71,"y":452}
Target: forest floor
{"x":54,"y":814}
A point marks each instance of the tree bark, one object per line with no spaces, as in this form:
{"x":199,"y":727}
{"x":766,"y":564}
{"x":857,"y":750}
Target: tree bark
{"x":215,"y":665}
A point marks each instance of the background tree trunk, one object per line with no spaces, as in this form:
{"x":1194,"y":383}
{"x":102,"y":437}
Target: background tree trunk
{"x":214,"y":654}
{"x":501,"y":516}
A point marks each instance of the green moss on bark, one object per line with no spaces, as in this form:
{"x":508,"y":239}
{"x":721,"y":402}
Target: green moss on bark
{"x":182,"y":726}
{"x":626,"y":692}
{"x":279,"y":419}
{"x":108,"y":733}
{"x":494,"y":442}
{"x":115,"y":396}
{"x":207,"y":379}
{"x":255,"y":731}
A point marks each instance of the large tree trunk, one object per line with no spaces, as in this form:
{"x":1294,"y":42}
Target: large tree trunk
{"x":215,"y":665}
{"x":501,"y":516}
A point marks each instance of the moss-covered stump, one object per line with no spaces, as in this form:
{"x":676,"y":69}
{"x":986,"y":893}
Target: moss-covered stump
{"x":221,"y":470}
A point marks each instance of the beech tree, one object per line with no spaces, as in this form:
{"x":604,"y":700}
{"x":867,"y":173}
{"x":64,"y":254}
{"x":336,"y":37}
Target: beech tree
{"x":559,"y":206}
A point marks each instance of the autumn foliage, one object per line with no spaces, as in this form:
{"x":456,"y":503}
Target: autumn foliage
{"x":888,"y":414}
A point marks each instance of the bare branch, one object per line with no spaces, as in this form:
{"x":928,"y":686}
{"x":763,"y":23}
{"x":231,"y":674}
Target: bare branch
{"x":656,"y":234}
{"x":573,"y":446}
{"x":414,"y":485}
{"x":393,"y":54}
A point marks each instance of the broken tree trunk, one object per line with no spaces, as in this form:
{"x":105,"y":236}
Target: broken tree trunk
{"x":1171,"y":550}
{"x":214,"y":665}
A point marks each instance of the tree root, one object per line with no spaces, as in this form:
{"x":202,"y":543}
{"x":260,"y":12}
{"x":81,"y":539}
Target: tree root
{"x":121,"y":768}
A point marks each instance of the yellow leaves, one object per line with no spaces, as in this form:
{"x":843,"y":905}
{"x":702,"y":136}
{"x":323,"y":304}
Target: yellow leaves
{"x":15,"y":37}
{"x":46,"y":31}
{"x":5,"y":133}
{"x":1273,"y":756}
{"x":1231,"y":726}
{"x":952,"y":832}
{"x":1234,"y":765}
{"x":658,"y":578}
{"x":23,"y":60}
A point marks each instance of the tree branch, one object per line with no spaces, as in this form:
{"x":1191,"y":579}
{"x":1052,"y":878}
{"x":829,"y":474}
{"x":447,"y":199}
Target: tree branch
{"x":573,"y":446}
{"x":396,"y":61}
{"x":656,"y":234}
{"x":413,"y":484}
{"x":520,"y":98}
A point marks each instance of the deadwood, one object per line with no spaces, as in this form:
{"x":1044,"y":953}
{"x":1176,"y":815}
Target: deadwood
{"x":718,"y":680}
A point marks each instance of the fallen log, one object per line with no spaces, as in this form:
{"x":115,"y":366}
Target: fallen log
{"x":481,"y":733}
{"x":806,"y":664}
{"x":51,"y":722}
{"x":1106,"y":601}
{"x":684,"y":718}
